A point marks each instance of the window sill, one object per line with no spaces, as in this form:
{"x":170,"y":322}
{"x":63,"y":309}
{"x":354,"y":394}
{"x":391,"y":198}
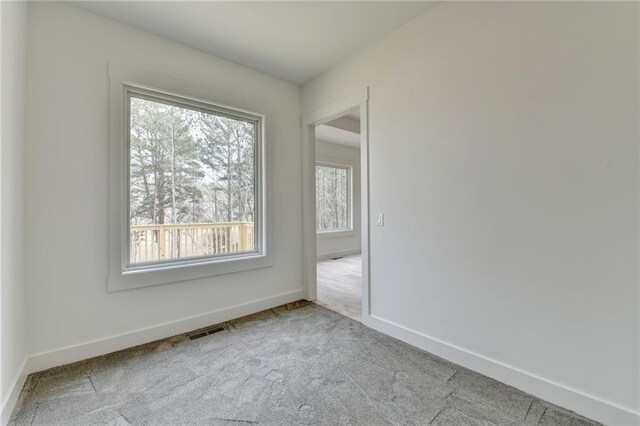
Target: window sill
{"x":186,"y":271}
{"x":335,"y":234}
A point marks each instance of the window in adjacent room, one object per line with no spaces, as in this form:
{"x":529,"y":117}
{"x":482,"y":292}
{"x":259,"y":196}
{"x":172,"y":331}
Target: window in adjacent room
{"x":193,"y":181}
{"x":333,"y":198}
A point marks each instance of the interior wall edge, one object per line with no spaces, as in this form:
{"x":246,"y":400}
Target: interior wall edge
{"x":11,"y":398}
{"x":13,"y":305}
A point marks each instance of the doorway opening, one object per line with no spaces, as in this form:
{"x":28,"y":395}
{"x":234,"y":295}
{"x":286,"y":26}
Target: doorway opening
{"x":335,"y":276}
{"x":338,"y":214}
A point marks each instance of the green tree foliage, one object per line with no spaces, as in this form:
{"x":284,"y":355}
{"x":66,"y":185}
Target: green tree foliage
{"x":228,"y":151}
{"x":189,"y":167}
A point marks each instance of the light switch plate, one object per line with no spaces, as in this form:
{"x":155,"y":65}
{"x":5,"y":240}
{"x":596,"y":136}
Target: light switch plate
{"x":380,"y":219}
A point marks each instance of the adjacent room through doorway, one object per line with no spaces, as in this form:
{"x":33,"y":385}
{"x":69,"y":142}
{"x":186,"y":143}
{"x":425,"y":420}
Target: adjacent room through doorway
{"x":338,"y":224}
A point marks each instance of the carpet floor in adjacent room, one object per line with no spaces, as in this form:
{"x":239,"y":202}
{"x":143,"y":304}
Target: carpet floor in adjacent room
{"x":301,"y":364}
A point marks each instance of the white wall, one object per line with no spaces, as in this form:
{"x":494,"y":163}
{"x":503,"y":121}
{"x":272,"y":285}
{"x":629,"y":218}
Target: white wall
{"x":340,"y":244}
{"x":13,"y":349}
{"x":67,"y":182}
{"x":504,"y":154}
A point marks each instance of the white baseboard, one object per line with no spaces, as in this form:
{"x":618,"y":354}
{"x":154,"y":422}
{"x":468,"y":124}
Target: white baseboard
{"x":9,"y":402}
{"x":82,"y":351}
{"x":580,"y":402}
{"x":327,"y":256}
{"x":587,"y":405}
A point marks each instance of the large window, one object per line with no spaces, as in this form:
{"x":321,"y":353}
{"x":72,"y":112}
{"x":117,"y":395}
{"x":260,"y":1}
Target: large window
{"x":192,"y":180}
{"x":333,"y":198}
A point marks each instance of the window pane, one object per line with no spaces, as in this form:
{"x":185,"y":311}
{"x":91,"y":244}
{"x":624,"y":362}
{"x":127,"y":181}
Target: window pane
{"x":332,"y":198}
{"x":191,"y":183}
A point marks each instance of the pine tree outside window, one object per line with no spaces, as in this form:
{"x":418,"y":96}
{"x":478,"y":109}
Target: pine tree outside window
{"x":192,"y":181}
{"x":333,"y":198}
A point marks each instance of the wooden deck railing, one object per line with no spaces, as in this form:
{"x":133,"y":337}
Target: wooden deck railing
{"x":176,"y":241}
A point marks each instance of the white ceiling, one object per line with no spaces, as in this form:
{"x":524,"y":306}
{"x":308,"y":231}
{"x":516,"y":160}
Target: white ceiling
{"x":294,"y":41}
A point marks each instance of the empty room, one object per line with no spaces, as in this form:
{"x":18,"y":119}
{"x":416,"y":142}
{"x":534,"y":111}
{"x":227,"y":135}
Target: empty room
{"x":333,"y":213}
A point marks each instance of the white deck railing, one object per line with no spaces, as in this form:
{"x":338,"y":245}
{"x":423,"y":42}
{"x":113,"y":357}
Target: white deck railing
{"x":176,"y":241}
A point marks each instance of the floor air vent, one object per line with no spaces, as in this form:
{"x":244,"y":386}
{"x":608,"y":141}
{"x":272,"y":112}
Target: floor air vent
{"x":205,"y":332}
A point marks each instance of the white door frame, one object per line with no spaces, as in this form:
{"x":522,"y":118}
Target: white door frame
{"x":309,"y":122}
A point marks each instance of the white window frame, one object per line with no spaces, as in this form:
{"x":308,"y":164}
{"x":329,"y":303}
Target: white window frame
{"x":135,"y":91}
{"x":341,"y":164}
{"x":122,"y":275}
